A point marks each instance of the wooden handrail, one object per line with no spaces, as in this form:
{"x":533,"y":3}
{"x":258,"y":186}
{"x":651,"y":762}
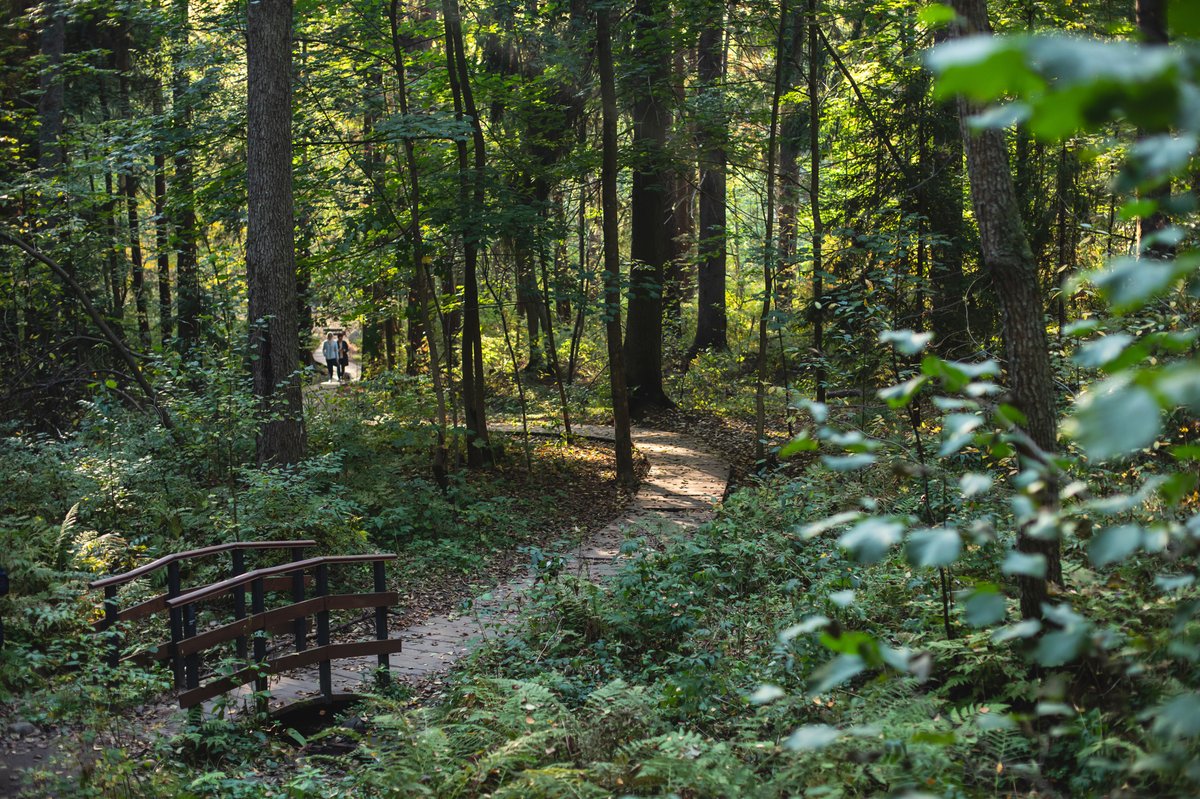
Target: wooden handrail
{"x":121,"y":579}
{"x":216,"y":589}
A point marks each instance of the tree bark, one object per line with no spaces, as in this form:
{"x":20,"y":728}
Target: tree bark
{"x":1151,"y":18}
{"x":474,"y":405}
{"x":770,"y":253}
{"x":421,"y":286}
{"x":270,"y":233}
{"x":817,"y":309}
{"x":1009,"y":263}
{"x":711,"y":319}
{"x":162,"y":232}
{"x":942,"y":198}
{"x":650,"y":237}
{"x":622,"y":439}
{"x":182,"y":195}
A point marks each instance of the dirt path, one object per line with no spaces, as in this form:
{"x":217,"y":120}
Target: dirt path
{"x":683,"y":485}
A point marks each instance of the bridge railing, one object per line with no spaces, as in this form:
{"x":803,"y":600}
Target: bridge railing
{"x":114,"y":613}
{"x":188,"y":645}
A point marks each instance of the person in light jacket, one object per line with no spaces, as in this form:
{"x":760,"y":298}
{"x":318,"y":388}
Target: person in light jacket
{"x":330,"y":350}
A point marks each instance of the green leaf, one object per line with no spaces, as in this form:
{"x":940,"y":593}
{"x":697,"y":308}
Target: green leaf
{"x":848,"y":463}
{"x":982,"y":67}
{"x":814,"y":529}
{"x":1179,"y":385}
{"x":1027,"y":628}
{"x":843,"y":599}
{"x":899,"y":396}
{"x":1061,"y":647}
{"x":1099,"y":352}
{"x":907,"y":342}
{"x":985,"y":606}
{"x":957,"y":432}
{"x":1081,"y":327}
{"x":110,"y":383}
{"x":1129,"y":283}
{"x":809,"y":625}
{"x":836,"y":672}
{"x":1178,"y":718}
{"x":936,"y":547}
{"x":1023,"y":563}
{"x":1169,"y":584}
{"x":869,"y":540}
{"x":936,"y":15}
{"x":1114,"y":544}
{"x":1115,"y":419}
{"x":766,"y":694}
{"x":811,"y":737}
{"x":801,"y":443}
{"x":973,"y":484}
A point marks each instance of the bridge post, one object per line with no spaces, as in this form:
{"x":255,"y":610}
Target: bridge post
{"x":191,"y":662}
{"x":238,"y":568}
{"x":299,"y":626}
{"x":110,"y":620}
{"x":176,"y":615}
{"x":258,"y":604}
{"x":326,"y":673}
{"x":381,"y":630}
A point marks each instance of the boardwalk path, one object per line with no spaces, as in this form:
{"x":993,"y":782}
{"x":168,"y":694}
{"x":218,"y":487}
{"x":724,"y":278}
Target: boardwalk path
{"x":684,"y":483}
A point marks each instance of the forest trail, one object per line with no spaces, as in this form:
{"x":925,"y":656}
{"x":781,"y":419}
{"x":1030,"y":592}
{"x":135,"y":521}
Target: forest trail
{"x":683,"y":484}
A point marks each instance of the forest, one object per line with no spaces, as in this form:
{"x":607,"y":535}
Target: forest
{"x":663,"y":398}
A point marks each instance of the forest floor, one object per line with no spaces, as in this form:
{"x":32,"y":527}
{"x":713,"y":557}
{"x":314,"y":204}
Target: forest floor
{"x":443,"y":615}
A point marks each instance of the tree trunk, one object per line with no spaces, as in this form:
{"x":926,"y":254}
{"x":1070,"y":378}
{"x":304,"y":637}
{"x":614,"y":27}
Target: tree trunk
{"x":51,"y":100}
{"x":182,"y":196}
{"x":1009,"y":263}
{"x":474,"y":405}
{"x":711,"y":320}
{"x":942,"y":197}
{"x":770,"y":253}
{"x":1151,"y":18}
{"x":817,"y":311}
{"x":270,"y":232}
{"x":650,"y":237}
{"x":418,"y":309}
{"x":162,"y":231}
{"x":622,"y":439}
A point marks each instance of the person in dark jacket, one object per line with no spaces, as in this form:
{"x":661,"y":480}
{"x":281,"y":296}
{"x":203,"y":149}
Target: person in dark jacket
{"x":343,"y":357}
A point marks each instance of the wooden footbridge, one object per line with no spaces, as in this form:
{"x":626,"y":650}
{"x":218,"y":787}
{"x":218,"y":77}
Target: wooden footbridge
{"x":255,"y":631}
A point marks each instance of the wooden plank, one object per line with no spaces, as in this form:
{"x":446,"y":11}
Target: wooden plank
{"x":287,"y":663}
{"x":225,"y":586}
{"x":278,"y":619}
{"x":154,"y":605}
{"x":143,"y":609}
{"x":121,"y":579}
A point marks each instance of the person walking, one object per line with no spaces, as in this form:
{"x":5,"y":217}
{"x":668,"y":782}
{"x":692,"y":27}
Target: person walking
{"x":343,"y":357}
{"x":330,"y":351}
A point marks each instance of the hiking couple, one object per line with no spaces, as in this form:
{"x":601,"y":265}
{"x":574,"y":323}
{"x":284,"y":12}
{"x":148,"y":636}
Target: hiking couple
{"x":337,"y":354}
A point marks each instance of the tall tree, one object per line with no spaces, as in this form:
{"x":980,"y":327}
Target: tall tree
{"x":817,"y":309}
{"x":1151,"y":19}
{"x":941,"y":197}
{"x":182,"y":191}
{"x":649,"y":205}
{"x":711,"y":133}
{"x":612,"y":255}
{"x":1009,"y":264}
{"x":162,"y":229}
{"x":770,"y":252}
{"x":472,"y":198}
{"x":270,"y":232}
